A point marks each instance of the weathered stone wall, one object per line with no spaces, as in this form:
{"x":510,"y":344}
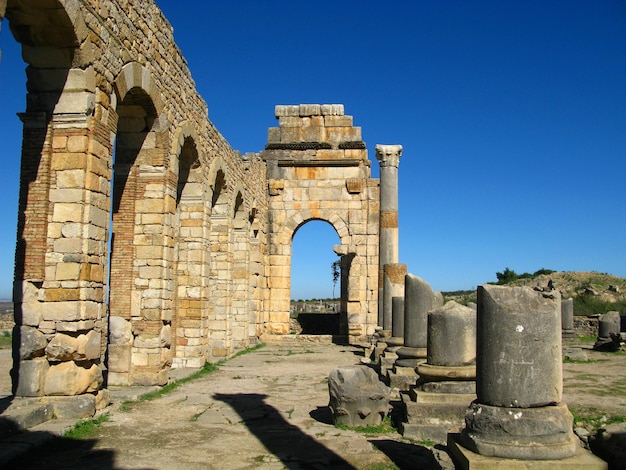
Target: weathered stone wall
{"x":144,"y":240}
{"x":113,"y":120}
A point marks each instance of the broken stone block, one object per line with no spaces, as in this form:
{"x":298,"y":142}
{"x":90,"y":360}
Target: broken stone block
{"x":61,"y":348}
{"x":32,"y":342}
{"x":68,"y":378}
{"x":357,"y":396}
{"x":120,"y":330}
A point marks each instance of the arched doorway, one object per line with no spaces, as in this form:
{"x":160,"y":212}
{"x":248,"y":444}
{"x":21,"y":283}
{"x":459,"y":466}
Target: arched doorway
{"x":315,"y":292}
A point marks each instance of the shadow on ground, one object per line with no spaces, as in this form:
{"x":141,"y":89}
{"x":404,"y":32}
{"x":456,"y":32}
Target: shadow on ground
{"x":405,"y":455}
{"x":287,"y":442}
{"x":57,"y":452}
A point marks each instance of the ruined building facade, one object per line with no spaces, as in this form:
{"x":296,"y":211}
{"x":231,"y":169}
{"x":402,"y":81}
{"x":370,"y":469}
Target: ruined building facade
{"x":145,"y":241}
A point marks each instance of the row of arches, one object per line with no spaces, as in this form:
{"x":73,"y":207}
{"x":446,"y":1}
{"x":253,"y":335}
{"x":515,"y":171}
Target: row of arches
{"x":129,"y":211}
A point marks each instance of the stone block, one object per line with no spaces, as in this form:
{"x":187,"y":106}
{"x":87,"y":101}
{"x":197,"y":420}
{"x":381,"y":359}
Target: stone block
{"x":120,"y":330}
{"x":30,"y":377}
{"x":62,"y":348}
{"x":75,"y":407}
{"x":332,"y":109}
{"x":68,"y":378}
{"x":32,"y":343}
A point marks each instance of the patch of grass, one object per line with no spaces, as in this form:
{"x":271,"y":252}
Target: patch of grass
{"x":587,"y":339}
{"x":592,"y":419}
{"x":290,"y":412}
{"x":208,"y":368}
{"x":237,"y":377}
{"x":386,"y":426}
{"x":382,"y":466}
{"x":320,"y":434}
{"x":86,"y":428}
{"x":567,"y":360}
{"x":6,"y":341}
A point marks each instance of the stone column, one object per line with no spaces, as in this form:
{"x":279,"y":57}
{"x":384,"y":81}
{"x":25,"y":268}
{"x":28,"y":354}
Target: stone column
{"x":567,"y":319}
{"x":389,"y":158}
{"x":419,"y":299}
{"x":393,"y":274}
{"x":518,"y":412}
{"x":393,"y":287}
{"x":447,"y":381}
{"x":397,"y":322}
{"x":609,"y":328}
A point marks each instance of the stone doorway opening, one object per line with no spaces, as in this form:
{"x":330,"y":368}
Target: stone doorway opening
{"x":316,"y":285}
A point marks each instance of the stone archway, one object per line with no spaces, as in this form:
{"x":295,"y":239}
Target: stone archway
{"x":317,"y":168}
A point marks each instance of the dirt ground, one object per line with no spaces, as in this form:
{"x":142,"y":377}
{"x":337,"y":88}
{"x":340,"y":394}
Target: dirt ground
{"x":268,"y":410}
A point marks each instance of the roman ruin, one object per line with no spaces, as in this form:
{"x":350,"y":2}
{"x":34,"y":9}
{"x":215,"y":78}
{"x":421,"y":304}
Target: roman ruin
{"x":145,"y":241}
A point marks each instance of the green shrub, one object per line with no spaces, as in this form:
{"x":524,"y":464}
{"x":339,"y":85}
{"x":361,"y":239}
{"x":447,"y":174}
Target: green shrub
{"x":589,"y":304}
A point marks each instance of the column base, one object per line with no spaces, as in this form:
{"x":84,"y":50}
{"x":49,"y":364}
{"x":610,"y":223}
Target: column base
{"x":465,"y":459}
{"x":542,"y":433}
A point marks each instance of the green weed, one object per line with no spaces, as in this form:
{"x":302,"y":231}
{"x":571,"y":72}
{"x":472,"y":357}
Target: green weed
{"x":592,"y":419}
{"x":208,"y":368}
{"x":386,"y":426}
{"x":86,"y":428}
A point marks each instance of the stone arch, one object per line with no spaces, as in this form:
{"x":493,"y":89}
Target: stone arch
{"x":298,"y":220}
{"x":140,"y":201}
{"x":190,"y":293}
{"x":220,"y":247}
{"x":135,"y":76}
{"x":185,"y":132}
{"x":218,"y":186}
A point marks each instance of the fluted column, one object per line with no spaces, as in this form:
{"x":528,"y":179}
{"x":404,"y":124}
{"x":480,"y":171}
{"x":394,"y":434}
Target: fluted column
{"x":389,"y":158}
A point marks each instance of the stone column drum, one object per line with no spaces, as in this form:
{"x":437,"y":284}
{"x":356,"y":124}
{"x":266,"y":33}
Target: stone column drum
{"x":389,"y":158}
{"x":419,"y":299}
{"x":567,"y":319}
{"x":518,"y":412}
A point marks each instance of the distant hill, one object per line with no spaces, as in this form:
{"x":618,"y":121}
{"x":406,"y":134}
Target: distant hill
{"x":605,"y":287}
{"x":592,"y":292}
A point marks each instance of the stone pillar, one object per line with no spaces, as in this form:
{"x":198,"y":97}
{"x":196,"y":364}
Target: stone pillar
{"x":567,"y":319}
{"x":394,"y":287}
{"x":518,"y":413}
{"x":394,"y":274}
{"x":447,"y":381}
{"x":389,"y":158}
{"x":397,"y":322}
{"x":608,"y":332}
{"x":419,"y":299}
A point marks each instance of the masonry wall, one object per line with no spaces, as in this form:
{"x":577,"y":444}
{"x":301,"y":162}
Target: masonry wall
{"x":145,"y":241}
{"x":111,"y":108}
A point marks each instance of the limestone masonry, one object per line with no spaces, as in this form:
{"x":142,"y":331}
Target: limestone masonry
{"x":146,"y":242}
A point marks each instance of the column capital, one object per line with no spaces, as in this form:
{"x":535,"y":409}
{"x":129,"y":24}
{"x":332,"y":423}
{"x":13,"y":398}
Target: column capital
{"x":388,"y":155}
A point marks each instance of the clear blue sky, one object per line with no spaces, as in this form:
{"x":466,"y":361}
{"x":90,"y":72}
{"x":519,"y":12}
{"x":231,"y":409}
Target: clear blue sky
{"x":512,"y":116}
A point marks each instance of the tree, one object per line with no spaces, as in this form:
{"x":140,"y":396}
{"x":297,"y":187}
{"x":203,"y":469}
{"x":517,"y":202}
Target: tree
{"x":508,"y":275}
{"x":336,"y":269}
